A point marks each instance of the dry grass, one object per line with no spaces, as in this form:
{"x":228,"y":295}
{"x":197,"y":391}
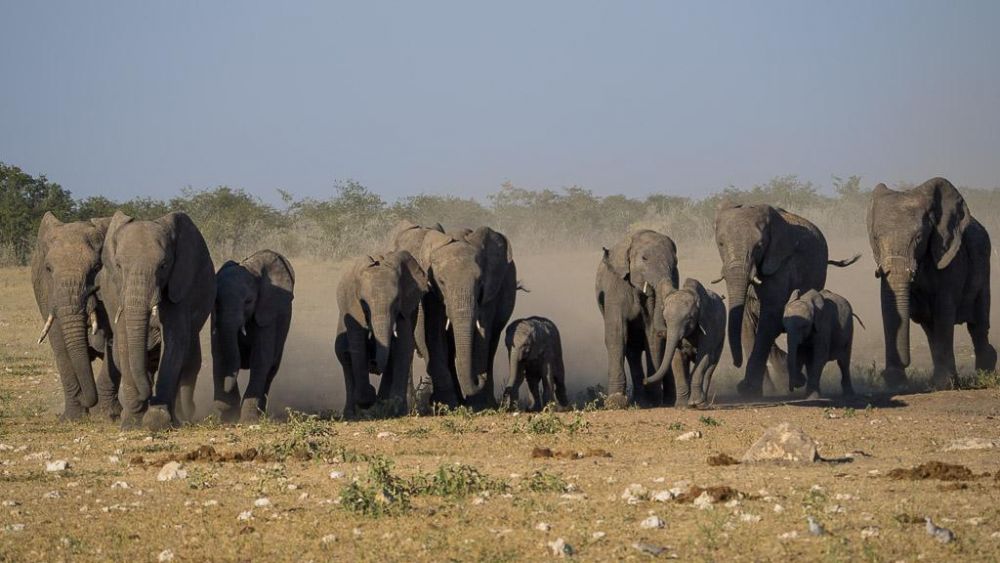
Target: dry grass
{"x":467,"y":487}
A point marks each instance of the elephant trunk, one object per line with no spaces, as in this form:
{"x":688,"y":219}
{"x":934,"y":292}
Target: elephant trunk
{"x":673,"y":340}
{"x":464,"y":324}
{"x":896,"y":316}
{"x":736,"y":285}
{"x":141,"y":294}
{"x":382,"y":327}
{"x":792,"y":359}
{"x":515,"y":366}
{"x":73,"y":323}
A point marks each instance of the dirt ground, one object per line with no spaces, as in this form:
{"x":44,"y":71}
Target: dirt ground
{"x":314,"y":489}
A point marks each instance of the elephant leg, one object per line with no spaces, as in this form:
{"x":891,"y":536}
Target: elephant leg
{"x":633,"y":357}
{"x":844,"y":363}
{"x":537,"y":403}
{"x":548,"y":395}
{"x":176,"y":347}
{"x":108,"y":382}
{"x":443,"y":383}
{"x":777,"y":370}
{"x":702,"y":371}
{"x":262,"y":357}
{"x":680,"y":369}
{"x":512,"y":389}
{"x":133,"y":408}
{"x":400,"y":362}
{"x":72,"y":409}
{"x":340,"y":348}
{"x":945,"y":372}
{"x":979,"y":331}
{"x":768,"y":329}
{"x":188,"y":380}
{"x":615,"y":333}
{"x":558,"y":374}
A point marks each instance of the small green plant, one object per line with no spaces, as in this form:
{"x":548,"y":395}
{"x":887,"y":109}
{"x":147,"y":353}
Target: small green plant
{"x":709,"y":421}
{"x":381,"y":494}
{"x":978,"y":380}
{"x":198,"y":479}
{"x":304,"y":438}
{"x":849,"y":412}
{"x":549,"y":422}
{"x":456,"y":481}
{"x":593,"y":398}
{"x":542,"y":482}
{"x":675,"y":426}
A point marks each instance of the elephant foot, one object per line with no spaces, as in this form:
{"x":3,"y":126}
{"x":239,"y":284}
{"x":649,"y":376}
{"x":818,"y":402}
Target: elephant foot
{"x":366,"y":396}
{"x":847,"y":391}
{"x":812,"y":394}
{"x":72,"y":413}
{"x":895,"y":378}
{"x":131,"y":421}
{"x":749,"y":391}
{"x":943,"y":380}
{"x":228,"y":413}
{"x":700,"y":405}
{"x":250,"y":411}
{"x":986,"y":360}
{"x":616,"y":401}
{"x":108,"y":409}
{"x":795,"y":381}
{"x":157,"y":418}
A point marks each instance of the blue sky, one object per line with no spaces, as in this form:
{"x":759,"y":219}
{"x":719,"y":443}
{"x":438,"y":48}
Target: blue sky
{"x":123,"y":98}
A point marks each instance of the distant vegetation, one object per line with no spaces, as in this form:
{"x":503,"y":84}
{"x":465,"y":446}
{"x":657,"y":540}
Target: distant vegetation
{"x":354,"y":219}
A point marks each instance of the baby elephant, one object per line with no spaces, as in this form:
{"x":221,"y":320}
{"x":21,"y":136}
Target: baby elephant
{"x":253,"y":312}
{"x":535,"y":354}
{"x":695,"y":318}
{"x":820,"y":327}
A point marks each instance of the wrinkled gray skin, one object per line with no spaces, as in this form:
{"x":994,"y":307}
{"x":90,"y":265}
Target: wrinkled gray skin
{"x":695,"y":319}
{"x":820,"y":329}
{"x":253,"y":311}
{"x":378,"y":297}
{"x":631,"y":277}
{"x":534,"y":352}
{"x":933,"y":260}
{"x":766,"y":254}
{"x":64,"y":271}
{"x":159,"y":279}
{"x":472,"y":288}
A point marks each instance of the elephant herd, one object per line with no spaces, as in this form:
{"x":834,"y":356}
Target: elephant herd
{"x":137,"y":294}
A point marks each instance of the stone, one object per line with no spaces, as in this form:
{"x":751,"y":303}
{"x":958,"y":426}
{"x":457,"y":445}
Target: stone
{"x":245,"y":515}
{"x":688,"y":436}
{"x":560,"y":548}
{"x":336,"y":474}
{"x":663,"y":496}
{"x":635,"y":493}
{"x":56,"y":466}
{"x":971,"y":444}
{"x":165,"y":555}
{"x":783,"y":443}
{"x":543,"y":526}
{"x":171,"y":471}
{"x":869,"y":532}
{"x":652,"y":523}
{"x":262,"y":502}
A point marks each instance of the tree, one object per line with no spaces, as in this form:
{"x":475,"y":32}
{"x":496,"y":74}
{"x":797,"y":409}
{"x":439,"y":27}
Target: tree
{"x":23,"y":201}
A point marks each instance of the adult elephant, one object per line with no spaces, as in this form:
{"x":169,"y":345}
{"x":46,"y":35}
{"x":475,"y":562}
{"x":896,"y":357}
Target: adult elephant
{"x":159,"y":279}
{"x":378,"y":297}
{"x":933,"y":260}
{"x":64,"y":269}
{"x":472,"y":286}
{"x":253,"y":312}
{"x":766,"y":254}
{"x":631,"y":277}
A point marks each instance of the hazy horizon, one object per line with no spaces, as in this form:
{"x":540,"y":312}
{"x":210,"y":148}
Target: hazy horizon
{"x":122,"y":99}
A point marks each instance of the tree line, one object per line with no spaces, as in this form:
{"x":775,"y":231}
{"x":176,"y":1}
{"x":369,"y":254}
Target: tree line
{"x":355,"y":219}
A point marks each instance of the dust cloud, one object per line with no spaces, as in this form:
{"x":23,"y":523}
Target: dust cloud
{"x":561,"y":287}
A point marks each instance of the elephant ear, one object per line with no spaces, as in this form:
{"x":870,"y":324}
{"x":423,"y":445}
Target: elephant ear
{"x":433,"y":240}
{"x":413,"y":281}
{"x":619,"y":258}
{"x":878,"y":193}
{"x":49,"y":221}
{"x":817,"y":301}
{"x":190,"y":254}
{"x":949,"y":216}
{"x":781,"y":243}
{"x":795,"y":295}
{"x":498,"y":256}
{"x":275,"y":292}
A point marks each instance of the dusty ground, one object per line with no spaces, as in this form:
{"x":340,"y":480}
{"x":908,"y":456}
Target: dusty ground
{"x":108,"y":503}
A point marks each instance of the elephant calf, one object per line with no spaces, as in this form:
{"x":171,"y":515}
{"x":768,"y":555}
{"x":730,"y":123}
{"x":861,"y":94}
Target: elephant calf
{"x":695,"y":319}
{"x":253,"y":312}
{"x":820,"y":327}
{"x":535,"y":353}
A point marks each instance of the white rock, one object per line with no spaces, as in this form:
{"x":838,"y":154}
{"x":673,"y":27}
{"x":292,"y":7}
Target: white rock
{"x":543,"y":526}
{"x":749,"y":518}
{"x":596,"y":536}
{"x":336,"y":474}
{"x":688,"y":436}
{"x":476,"y":501}
{"x":778,"y":509}
{"x":703,"y":502}
{"x":52,"y":494}
{"x":788,"y":535}
{"x":119,"y":485}
{"x":975,"y":521}
{"x":171,"y":471}
{"x":560,"y":548}
{"x":165,"y":555}
{"x":844,"y":496}
{"x":652,"y":523}
{"x":783,"y":443}
{"x":663,"y":496}
{"x":245,"y":515}
{"x":381,"y":435}
{"x":208,"y":503}
{"x":869,"y":532}
{"x":113,"y":459}
{"x":635,"y":493}
{"x":328,"y":539}
{"x":732,"y":504}
{"x":9,"y":503}
{"x":971,"y":444}
{"x":14,"y":528}
{"x":262,"y":502}
{"x":56,"y":466}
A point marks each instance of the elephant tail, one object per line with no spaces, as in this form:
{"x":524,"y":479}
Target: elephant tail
{"x":860,"y":322}
{"x":520,"y":287}
{"x":844,"y":263}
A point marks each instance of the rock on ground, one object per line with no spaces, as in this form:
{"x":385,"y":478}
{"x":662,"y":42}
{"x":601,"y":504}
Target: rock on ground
{"x":971,"y":444}
{"x":783,"y":443}
{"x":171,"y":471}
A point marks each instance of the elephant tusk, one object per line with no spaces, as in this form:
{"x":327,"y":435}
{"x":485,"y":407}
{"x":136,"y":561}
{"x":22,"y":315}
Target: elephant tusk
{"x":645,"y":288}
{"x":46,"y":327}
{"x":755,"y":280}
{"x":447,"y":324}
{"x":479,"y":327}
{"x":93,"y":322}
{"x":395,"y":333}
{"x":717,"y":280}
{"x":243,"y":330}
{"x":118,"y":315}
{"x":155,"y":311}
